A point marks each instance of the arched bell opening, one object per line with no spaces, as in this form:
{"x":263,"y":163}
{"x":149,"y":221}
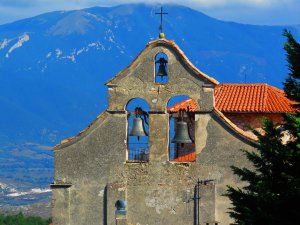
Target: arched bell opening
{"x":181,"y":111}
{"x":161,"y":68}
{"x":137,"y":130}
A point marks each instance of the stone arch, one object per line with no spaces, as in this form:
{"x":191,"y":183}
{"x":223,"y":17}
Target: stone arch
{"x":181,"y":109}
{"x":137,"y":146}
{"x":137,"y":101}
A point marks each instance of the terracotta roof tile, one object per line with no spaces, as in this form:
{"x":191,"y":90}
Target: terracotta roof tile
{"x":242,"y":98}
{"x":245,"y":98}
{"x":252,"y":98}
{"x":191,"y":157}
{"x":187,"y":105}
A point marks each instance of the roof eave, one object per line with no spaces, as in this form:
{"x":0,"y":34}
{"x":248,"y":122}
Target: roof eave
{"x":253,"y":139}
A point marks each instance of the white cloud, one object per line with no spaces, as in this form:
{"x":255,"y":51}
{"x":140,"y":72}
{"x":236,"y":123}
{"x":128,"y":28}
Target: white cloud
{"x":199,"y":3}
{"x":17,"y":9}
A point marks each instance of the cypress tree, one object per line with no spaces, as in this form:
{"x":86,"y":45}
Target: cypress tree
{"x":292,"y":85}
{"x":271,"y":194}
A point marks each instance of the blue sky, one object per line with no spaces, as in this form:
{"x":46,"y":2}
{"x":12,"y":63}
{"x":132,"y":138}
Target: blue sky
{"x":266,"y":12}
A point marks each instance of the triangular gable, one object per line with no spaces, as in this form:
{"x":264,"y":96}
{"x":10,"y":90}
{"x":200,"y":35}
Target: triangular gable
{"x":170,"y":44}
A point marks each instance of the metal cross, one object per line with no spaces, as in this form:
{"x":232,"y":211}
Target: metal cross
{"x":161,"y":13}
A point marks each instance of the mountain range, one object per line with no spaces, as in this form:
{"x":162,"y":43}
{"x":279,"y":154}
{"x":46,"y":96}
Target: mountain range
{"x":53,"y":68}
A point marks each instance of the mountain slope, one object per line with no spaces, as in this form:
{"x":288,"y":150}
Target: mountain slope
{"x":53,"y":66}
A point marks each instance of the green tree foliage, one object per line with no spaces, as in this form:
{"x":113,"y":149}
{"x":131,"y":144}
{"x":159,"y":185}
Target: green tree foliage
{"x":20,"y":219}
{"x":271,"y":194}
{"x":292,"y":85}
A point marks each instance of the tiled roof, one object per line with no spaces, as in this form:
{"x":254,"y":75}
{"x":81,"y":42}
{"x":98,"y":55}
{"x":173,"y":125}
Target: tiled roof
{"x":191,"y":157}
{"x":187,"y":105}
{"x":245,"y":98}
{"x":242,"y":98}
{"x":252,"y":98}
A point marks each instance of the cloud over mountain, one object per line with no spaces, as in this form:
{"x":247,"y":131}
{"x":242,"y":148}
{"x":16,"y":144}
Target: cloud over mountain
{"x":246,"y":11}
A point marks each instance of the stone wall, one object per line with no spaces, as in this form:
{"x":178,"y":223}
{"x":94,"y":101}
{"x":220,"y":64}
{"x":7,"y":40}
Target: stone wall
{"x":158,"y":191}
{"x":91,"y":171}
{"x":246,"y":121}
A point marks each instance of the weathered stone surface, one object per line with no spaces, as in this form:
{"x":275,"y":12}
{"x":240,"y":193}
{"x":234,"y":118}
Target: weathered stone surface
{"x":158,"y":191}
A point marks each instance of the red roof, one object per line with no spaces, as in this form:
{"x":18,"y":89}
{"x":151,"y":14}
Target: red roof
{"x":252,"y":98}
{"x":245,"y":98}
{"x":191,"y":157}
{"x":187,"y":105}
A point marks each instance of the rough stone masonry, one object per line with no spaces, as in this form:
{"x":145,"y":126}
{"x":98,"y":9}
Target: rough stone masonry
{"x":92,"y":170}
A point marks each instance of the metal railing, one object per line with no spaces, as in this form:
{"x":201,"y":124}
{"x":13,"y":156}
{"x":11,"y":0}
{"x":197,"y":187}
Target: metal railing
{"x":138,"y":152}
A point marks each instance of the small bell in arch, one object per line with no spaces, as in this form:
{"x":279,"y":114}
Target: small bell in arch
{"x":162,"y":71}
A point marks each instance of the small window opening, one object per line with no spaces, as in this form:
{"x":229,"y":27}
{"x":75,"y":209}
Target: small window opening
{"x":138,"y":129}
{"x":182,"y":129}
{"x":161,"y":68}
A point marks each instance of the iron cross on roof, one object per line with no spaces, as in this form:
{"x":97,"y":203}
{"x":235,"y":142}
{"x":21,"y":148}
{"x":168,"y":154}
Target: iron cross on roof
{"x":161,"y":13}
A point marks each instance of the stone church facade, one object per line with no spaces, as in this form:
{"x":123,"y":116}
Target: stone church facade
{"x":93,"y":171}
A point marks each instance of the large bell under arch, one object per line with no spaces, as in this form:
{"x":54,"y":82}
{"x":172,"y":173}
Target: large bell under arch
{"x":137,"y":130}
{"x":181,"y":133}
{"x":181,"y":129}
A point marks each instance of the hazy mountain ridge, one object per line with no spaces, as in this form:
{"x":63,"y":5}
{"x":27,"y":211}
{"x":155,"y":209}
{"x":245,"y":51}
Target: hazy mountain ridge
{"x":53,"y":67}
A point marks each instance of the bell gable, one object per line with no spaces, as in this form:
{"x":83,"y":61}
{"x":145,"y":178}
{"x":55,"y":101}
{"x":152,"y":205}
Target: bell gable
{"x":138,"y":80}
